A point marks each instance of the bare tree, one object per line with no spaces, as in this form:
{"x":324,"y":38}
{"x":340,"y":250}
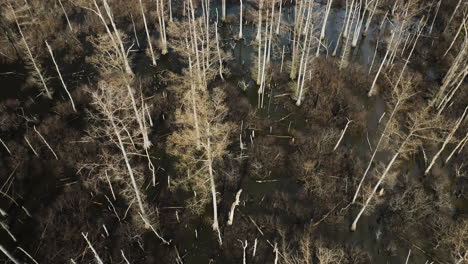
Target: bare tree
{"x":60,"y":75}
{"x":31,"y":57}
{"x":147,"y":34}
{"x":421,"y":125}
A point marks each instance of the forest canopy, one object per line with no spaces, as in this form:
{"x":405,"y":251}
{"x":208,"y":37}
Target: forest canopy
{"x":250,"y":131}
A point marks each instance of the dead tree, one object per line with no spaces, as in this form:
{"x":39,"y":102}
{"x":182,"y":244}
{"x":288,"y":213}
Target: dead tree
{"x":421,"y":123}
{"x":115,"y":37}
{"x":66,"y":16}
{"x":114,"y":121}
{"x":153,"y":58}
{"x":60,"y":75}
{"x":447,"y":140}
{"x":325,"y":19}
{"x":233,"y":207}
{"x":198,"y":163}
{"x":162,"y":26}
{"x":400,"y":95}
{"x":240,"y":22}
{"x":36,"y":66}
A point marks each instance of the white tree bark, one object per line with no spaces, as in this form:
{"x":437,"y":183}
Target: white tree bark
{"x":135,"y":32}
{"x":462,"y":25}
{"x":353,"y":226}
{"x":66,"y":16}
{"x":96,"y":256}
{"x":254,"y":248}
{"x":280,"y":14}
{"x":31,"y":57}
{"x":119,"y":39}
{"x":298,"y":18}
{"x":147,"y":223}
{"x":60,"y":75}
{"x":47,"y":144}
{"x":282,"y":60}
{"x":259,"y":59}
{"x":162,"y":26}
{"x":217,"y":48}
{"x":240,"y":22}
{"x":395,"y":109}
{"x":453,"y":15}
{"x":276,"y":251}
{"x":261,"y":90}
{"x":9,"y":255}
{"x":324,"y":25}
{"x":27,"y":254}
{"x":447,"y":140}
{"x":372,"y":91}
{"x":270,"y":38}
{"x":194,"y":105}
{"x":213,"y":187}
{"x":350,"y":14}
{"x":6,"y":147}
{"x":153,"y":58}
{"x":359,"y":22}
{"x":369,"y":18}
{"x":233,"y":208}
{"x":259,"y":24}
{"x":223,"y":10}
{"x":435,"y":16}
{"x":303,"y":67}
{"x":127,"y":163}
{"x":169,"y":3}
{"x":342,"y":134}
{"x":139,"y":116}
{"x":244,"y":246}
{"x":29,"y":144}
{"x":460,"y":144}
{"x":125,"y":258}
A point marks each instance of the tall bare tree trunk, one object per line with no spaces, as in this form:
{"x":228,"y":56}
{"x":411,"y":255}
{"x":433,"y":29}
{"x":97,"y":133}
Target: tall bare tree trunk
{"x":259,"y":24}
{"x":233,"y":206}
{"x":280,"y":14}
{"x":453,"y":15}
{"x":395,"y":109}
{"x":162,"y":26}
{"x":296,"y":39}
{"x":153,"y":58}
{"x":223,"y":10}
{"x":350,"y":14}
{"x":369,"y":18}
{"x":127,"y":163}
{"x":342,"y":134}
{"x":31,"y":57}
{"x":217,"y":48}
{"x":435,"y":16}
{"x":240,"y":23}
{"x":60,"y":75}
{"x":96,"y":256}
{"x":213,"y":187}
{"x":119,"y":39}
{"x":324,"y":25}
{"x":194,"y":105}
{"x":10,"y":257}
{"x":66,"y":16}
{"x":374,"y":190}
{"x":447,"y":140}
{"x":357,"y":28}
{"x":372,"y":91}
{"x":169,"y":3}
